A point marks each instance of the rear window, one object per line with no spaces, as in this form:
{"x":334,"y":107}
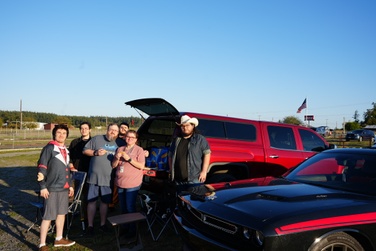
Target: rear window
{"x":227,"y":130}
{"x":162,"y":127}
{"x":241,"y":131}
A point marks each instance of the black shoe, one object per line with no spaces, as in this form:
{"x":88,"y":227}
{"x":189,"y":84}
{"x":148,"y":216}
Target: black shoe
{"x":90,"y":231}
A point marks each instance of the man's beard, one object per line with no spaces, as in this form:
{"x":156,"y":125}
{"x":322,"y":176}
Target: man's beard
{"x":110,"y":137}
{"x":187,"y":134}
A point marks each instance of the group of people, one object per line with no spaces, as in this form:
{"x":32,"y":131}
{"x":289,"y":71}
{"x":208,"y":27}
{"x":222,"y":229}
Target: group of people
{"x":113,"y":161}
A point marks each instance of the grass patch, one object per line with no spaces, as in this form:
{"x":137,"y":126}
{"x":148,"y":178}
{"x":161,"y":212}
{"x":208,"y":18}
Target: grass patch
{"x":18,"y":159}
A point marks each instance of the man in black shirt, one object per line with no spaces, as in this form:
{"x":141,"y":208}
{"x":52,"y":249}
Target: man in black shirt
{"x":79,"y":161}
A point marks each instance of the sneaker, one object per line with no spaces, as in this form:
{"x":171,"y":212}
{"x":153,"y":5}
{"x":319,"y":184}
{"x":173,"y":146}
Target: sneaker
{"x":90,"y":231}
{"x":104,"y":229}
{"x":44,"y":248}
{"x":64,"y":243}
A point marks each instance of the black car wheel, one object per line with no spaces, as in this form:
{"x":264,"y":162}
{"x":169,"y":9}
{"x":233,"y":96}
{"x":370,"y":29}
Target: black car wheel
{"x":339,"y":242}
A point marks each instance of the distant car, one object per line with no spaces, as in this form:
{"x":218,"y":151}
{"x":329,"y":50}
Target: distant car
{"x":326,"y":203}
{"x":360,"y":135}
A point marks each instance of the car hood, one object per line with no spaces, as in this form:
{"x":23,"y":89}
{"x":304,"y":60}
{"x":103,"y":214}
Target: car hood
{"x":270,"y":206}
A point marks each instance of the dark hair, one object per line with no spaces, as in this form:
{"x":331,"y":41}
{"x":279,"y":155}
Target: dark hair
{"x":124,"y":123}
{"x":178,"y":132}
{"x":57,"y":127}
{"x":132,"y":131}
{"x":85,"y":123}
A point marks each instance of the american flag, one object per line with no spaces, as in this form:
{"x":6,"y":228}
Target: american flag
{"x":303,"y":106}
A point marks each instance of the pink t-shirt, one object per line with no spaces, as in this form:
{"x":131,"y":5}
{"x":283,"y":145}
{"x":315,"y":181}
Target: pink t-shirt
{"x":128,"y":176}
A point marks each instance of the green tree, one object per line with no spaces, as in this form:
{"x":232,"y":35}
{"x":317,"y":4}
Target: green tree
{"x":29,"y":125}
{"x":292,"y":120}
{"x":356,"y":116}
{"x":370,"y":115}
{"x":350,"y":126}
{"x":62,"y":120}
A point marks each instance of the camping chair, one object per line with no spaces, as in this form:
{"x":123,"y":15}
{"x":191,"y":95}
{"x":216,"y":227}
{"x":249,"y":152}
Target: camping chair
{"x":79,"y":179}
{"x":158,"y":211}
{"x":39,"y":210}
{"x":39,"y":206}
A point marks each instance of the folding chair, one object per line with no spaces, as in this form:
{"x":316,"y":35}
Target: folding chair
{"x":39,"y":205}
{"x":75,"y":207}
{"x":127,"y":218}
{"x":39,"y":210}
{"x":158,"y":211}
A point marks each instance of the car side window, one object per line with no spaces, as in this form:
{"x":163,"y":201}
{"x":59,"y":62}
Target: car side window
{"x":281,"y":137}
{"x":240,"y":131}
{"x":311,"y":141}
{"x":211,"y":128}
{"x":227,"y":130}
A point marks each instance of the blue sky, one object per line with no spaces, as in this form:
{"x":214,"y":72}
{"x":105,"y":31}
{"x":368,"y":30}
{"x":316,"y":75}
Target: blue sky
{"x":248,"y":59}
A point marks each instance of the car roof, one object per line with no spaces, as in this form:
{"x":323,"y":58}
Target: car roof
{"x":161,"y":107}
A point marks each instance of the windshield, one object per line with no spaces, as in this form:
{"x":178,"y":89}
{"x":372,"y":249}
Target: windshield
{"x":350,"y":171}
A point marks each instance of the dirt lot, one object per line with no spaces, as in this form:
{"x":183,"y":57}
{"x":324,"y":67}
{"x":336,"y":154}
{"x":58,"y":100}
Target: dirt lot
{"x":17,"y":189}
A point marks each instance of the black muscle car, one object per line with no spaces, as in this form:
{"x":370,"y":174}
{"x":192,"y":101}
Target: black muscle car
{"x":328,"y":202}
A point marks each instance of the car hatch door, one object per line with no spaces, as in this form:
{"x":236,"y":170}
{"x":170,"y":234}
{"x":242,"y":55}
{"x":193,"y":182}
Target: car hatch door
{"x":153,"y":106}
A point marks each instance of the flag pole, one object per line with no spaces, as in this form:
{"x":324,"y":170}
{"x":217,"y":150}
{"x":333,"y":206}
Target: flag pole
{"x":306,"y":111}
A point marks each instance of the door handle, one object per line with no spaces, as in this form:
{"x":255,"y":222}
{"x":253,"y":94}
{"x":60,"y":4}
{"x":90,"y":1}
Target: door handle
{"x":274,"y":156}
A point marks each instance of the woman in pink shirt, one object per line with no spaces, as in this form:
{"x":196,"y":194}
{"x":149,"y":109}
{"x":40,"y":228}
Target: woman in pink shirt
{"x":129,"y":161}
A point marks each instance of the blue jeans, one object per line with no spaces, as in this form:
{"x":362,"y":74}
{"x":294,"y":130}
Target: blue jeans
{"x":127,"y":201}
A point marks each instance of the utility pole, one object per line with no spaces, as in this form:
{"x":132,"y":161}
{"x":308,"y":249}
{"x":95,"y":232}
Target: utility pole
{"x":21,"y":114}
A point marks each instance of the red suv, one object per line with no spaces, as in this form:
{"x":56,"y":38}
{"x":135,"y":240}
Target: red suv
{"x":241,"y":148}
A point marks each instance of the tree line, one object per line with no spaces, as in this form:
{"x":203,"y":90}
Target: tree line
{"x":12,"y":119}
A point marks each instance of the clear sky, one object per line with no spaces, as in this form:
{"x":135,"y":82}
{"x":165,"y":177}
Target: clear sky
{"x":249,"y":59}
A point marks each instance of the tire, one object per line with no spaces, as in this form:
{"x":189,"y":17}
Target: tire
{"x":337,"y":241}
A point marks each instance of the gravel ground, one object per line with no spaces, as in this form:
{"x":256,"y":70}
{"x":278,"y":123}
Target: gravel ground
{"x":17,"y":189}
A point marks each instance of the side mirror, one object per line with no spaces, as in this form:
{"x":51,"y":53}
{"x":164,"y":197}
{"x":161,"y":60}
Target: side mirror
{"x":332,"y":146}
